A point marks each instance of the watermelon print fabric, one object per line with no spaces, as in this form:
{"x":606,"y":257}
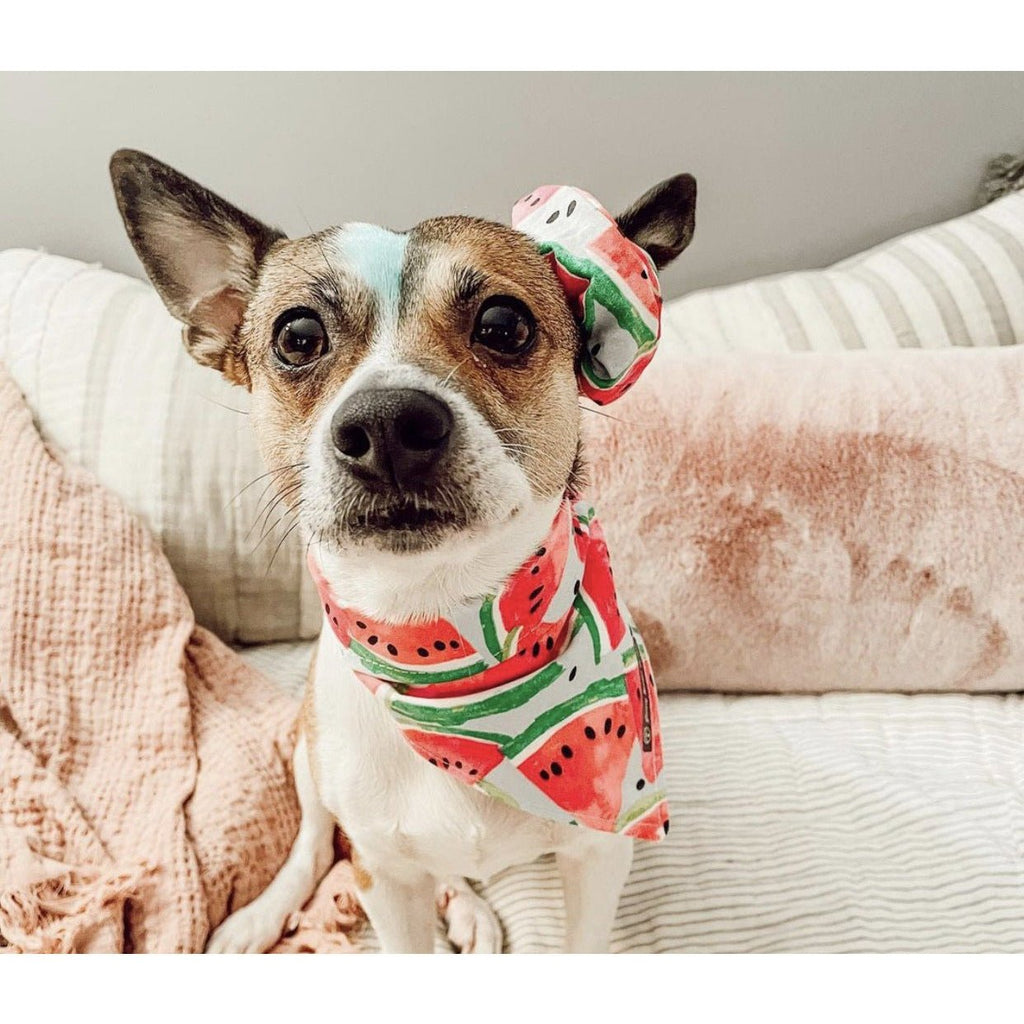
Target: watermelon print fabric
{"x":541,"y":695}
{"x":611,"y":284}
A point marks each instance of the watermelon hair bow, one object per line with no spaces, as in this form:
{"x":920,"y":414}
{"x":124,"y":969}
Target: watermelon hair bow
{"x":611,"y":284}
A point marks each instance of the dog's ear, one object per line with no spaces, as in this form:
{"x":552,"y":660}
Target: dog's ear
{"x":201,"y":253}
{"x":662,"y":220}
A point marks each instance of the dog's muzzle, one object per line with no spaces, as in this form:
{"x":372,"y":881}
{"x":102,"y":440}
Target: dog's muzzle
{"x":395,"y":437}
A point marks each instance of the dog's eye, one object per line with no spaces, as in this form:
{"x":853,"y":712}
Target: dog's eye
{"x":504,"y":325}
{"x":299,"y":337}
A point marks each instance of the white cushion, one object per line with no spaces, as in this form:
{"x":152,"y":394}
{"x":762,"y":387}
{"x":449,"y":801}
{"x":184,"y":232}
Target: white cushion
{"x":104,"y":370}
{"x":958,"y":283}
{"x":843,"y":823}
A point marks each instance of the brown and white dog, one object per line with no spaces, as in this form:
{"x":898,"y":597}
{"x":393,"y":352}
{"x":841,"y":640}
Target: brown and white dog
{"x":425,"y":458}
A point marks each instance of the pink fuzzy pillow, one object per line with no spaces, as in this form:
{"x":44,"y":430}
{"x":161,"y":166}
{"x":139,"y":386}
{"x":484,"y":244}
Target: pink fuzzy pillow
{"x":847,"y":521}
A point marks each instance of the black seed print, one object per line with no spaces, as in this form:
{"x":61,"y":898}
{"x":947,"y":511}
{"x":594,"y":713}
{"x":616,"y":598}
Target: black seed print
{"x":446,"y":762}
{"x":643,"y":274}
{"x":544,"y":775}
{"x":556,"y":768}
{"x":392,"y":649}
{"x":522,"y":652}
{"x":360,"y":625}
{"x":536,"y":593}
{"x":589,"y":733}
{"x":453,"y":644}
{"x":438,"y":645}
{"x":552,"y":218}
{"x":535,"y":570}
{"x":549,"y":643}
{"x":534,"y":607}
{"x":536,"y":201}
{"x":536,"y":650}
{"x":423,"y":652}
{"x":458,"y":764}
{"x":472,"y":771}
{"x":541,"y":552}
{"x":665,"y":827}
{"x":621,"y":731}
{"x":566,"y":751}
{"x":327,"y":608}
{"x":607,"y":726}
{"x":572,"y":673}
{"x":371,"y":640}
{"x":572,"y":207}
{"x":433,"y":761}
{"x":640,"y":783}
{"x":334,"y":619}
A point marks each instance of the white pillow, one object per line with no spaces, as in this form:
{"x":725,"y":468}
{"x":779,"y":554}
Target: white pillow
{"x":103,"y":368}
{"x":958,"y":283}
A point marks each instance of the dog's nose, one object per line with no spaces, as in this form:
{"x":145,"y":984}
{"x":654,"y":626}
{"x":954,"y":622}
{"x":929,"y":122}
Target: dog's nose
{"x":394,"y":435}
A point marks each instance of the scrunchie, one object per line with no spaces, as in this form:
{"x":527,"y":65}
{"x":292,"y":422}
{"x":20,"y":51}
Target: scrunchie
{"x":611,"y":284}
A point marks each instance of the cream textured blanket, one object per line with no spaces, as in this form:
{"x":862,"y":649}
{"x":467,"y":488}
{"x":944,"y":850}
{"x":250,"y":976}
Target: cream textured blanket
{"x":144,"y":780}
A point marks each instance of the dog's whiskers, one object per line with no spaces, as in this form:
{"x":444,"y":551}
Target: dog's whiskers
{"x":271,"y":506}
{"x":288,"y":532}
{"x":280,"y":469}
{"x":606,"y":415}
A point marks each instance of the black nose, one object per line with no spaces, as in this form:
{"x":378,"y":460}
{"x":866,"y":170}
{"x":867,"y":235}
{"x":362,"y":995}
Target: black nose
{"x":393,"y":435}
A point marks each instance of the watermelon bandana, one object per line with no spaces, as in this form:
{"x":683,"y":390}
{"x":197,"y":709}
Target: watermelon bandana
{"x":541,"y":695}
{"x":610,"y":282}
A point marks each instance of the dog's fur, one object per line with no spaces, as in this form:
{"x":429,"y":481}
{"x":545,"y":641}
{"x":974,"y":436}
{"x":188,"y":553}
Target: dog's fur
{"x":398,"y":309}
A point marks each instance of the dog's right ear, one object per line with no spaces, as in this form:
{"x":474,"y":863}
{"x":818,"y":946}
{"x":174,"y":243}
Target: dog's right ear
{"x":201,"y":253}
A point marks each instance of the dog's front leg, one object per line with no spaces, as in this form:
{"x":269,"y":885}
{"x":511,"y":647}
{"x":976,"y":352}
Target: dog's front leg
{"x":401,"y":909}
{"x":257,"y":926}
{"x":594,"y":870}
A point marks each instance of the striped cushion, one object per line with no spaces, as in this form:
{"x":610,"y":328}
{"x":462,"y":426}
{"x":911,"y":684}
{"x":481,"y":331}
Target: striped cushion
{"x":958,"y":283}
{"x":843,"y":823}
{"x":103,"y":368}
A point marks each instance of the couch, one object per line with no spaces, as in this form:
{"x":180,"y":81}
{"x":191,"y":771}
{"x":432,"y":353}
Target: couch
{"x":832,"y":822}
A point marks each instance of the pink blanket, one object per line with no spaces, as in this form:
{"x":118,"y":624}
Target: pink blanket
{"x":144,"y":768}
{"x":822,"y":522}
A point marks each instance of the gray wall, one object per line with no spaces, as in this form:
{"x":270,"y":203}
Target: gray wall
{"x":795,"y":170}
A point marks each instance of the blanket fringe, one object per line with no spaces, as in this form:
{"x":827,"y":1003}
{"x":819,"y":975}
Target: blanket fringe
{"x":57,"y":913}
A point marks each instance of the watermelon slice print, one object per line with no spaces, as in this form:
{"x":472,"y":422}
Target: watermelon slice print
{"x":582,"y":765}
{"x":632,"y":265}
{"x":599,"y":587}
{"x":652,"y":824}
{"x":432,"y":643}
{"x":530,"y":592}
{"x":466,"y":759}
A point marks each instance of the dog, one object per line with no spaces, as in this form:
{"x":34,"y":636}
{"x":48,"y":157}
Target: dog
{"x":415,"y":398}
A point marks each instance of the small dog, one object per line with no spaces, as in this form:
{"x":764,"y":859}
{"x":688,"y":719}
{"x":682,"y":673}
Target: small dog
{"x":415,"y":396}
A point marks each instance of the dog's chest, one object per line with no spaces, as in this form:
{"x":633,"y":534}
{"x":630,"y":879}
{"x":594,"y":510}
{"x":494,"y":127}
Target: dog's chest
{"x":396,"y":808}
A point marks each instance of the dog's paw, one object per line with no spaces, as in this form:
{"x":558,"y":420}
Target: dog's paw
{"x":472,"y":926}
{"x":251,"y":930}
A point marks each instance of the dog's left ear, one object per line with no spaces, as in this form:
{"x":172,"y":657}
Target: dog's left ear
{"x":662,"y":220}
